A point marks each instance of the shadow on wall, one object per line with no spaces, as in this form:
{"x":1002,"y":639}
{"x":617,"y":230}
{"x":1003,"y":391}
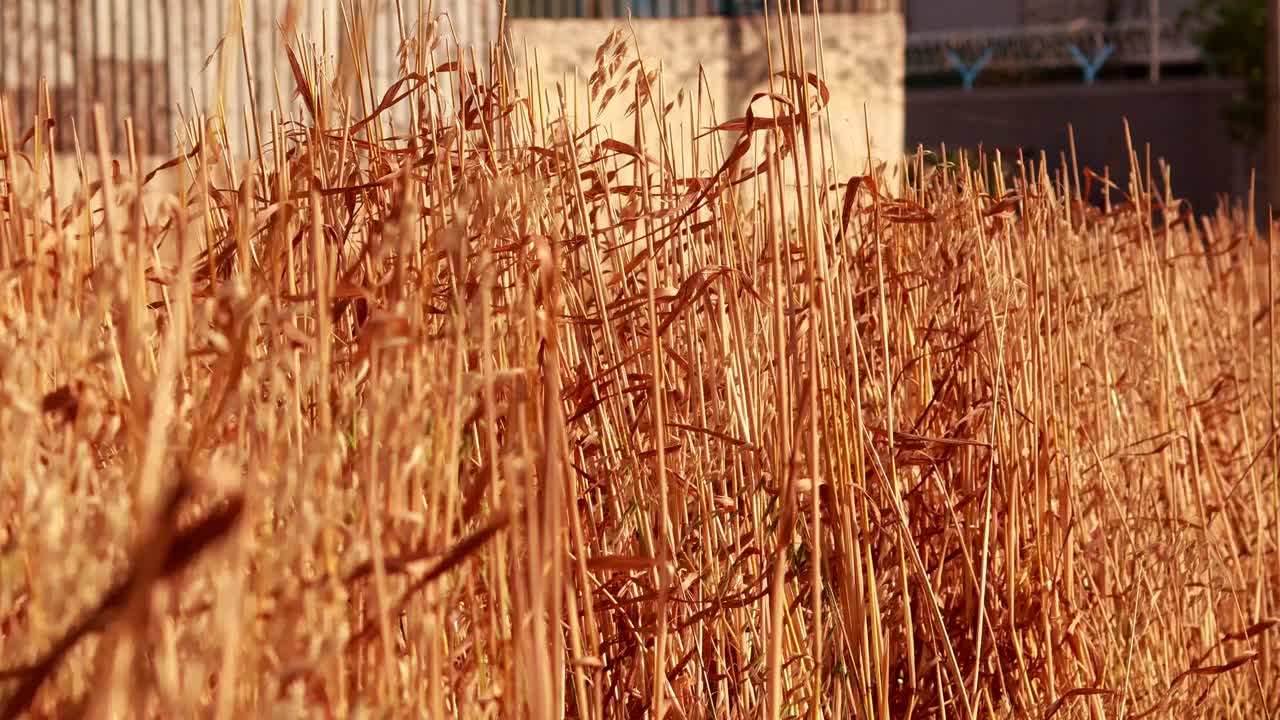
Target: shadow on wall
{"x":863,"y":58}
{"x":1181,"y":121}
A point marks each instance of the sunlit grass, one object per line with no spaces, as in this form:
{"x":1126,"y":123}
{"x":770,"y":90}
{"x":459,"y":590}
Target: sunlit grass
{"x":489,"y":414}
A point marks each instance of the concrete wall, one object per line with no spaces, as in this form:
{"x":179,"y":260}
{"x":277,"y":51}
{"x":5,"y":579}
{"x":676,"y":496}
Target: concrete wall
{"x":862,"y":53}
{"x":1181,"y":120}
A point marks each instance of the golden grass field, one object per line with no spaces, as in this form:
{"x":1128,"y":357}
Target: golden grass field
{"x":499,"y":417}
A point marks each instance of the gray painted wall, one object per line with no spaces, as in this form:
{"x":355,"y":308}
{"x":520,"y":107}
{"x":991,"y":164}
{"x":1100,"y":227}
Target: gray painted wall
{"x":1181,"y":120}
{"x":943,"y":15}
{"x":961,"y":15}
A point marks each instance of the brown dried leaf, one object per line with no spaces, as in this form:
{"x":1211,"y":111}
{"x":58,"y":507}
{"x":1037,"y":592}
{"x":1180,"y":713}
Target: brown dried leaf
{"x":64,"y":402}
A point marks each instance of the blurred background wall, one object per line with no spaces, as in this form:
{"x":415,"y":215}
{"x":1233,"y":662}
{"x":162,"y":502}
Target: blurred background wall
{"x":1000,"y":74}
{"x":145,"y":59}
{"x":725,"y":61}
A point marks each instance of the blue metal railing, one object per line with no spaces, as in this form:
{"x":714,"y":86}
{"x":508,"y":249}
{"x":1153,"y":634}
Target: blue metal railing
{"x":1087,"y":46}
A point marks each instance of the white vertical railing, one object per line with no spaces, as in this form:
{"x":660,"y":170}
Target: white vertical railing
{"x":147,"y":58}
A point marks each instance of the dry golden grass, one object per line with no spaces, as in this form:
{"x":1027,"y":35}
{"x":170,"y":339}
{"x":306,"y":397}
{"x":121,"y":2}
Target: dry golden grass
{"x":510,"y":419}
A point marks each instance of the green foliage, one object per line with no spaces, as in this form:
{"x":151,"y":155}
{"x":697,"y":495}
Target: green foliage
{"x":1233,"y":36}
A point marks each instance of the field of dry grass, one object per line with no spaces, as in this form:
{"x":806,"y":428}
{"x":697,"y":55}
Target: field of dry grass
{"x":497,"y":416}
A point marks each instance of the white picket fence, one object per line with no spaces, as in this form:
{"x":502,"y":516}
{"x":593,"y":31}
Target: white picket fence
{"x":145,"y":59}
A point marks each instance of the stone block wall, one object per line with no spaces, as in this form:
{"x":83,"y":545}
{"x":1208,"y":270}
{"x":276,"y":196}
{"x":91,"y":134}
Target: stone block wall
{"x":727,"y":60}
